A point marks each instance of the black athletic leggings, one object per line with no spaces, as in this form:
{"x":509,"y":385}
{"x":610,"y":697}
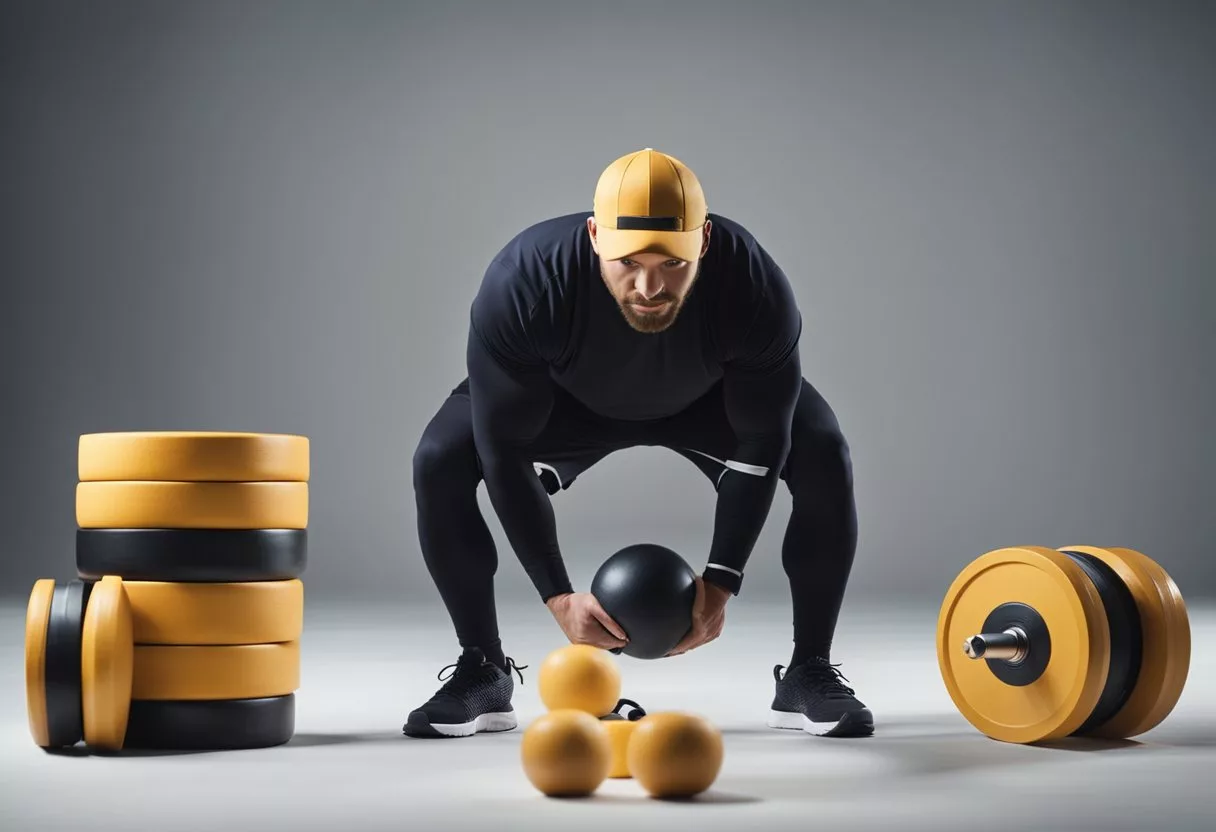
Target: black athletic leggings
{"x":459,"y":551}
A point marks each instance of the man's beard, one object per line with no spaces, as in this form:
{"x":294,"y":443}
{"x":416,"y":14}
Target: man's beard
{"x":653,"y":321}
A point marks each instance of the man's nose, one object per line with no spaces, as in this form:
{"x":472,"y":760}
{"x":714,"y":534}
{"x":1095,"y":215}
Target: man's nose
{"x":649,"y":285}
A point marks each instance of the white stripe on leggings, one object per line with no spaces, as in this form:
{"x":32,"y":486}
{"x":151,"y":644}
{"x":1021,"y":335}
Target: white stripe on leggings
{"x":742,"y":467}
{"x":540,"y":466}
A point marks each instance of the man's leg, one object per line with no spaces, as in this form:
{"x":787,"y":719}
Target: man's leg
{"x":457,"y":546}
{"x":817,"y":552}
{"x":821,"y":537}
{"x":462,"y":559}
{"x":461,"y":556}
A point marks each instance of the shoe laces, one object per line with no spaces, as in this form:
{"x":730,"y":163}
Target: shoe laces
{"x":464,"y":667}
{"x":511,"y":665}
{"x":823,"y":676}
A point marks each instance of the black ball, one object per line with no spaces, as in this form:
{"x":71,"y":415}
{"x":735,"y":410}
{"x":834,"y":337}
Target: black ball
{"x":649,"y":590}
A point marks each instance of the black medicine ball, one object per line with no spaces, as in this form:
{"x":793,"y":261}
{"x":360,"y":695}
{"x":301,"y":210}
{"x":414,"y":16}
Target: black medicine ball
{"x":649,"y":590}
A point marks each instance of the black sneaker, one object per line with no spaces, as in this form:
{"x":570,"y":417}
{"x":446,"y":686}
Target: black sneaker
{"x":811,"y":697}
{"x":475,"y":698}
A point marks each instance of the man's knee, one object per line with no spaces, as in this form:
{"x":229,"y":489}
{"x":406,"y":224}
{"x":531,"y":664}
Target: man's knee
{"x":444,"y":461}
{"x":820,"y":459}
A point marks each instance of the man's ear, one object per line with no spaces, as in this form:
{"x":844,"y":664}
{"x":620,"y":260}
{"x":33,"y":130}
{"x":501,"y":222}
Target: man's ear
{"x":591,"y":230}
{"x":705,"y":243}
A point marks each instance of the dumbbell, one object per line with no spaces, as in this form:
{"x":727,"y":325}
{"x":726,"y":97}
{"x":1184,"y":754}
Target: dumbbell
{"x":1037,"y":644}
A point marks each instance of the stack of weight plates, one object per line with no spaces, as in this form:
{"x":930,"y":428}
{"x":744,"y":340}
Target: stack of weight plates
{"x":184,"y":630}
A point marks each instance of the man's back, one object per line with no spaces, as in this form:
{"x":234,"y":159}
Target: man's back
{"x":544,"y":305}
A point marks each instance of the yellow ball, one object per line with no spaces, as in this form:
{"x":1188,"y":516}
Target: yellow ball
{"x":579,"y":676}
{"x":675,"y":754}
{"x":619,"y":733}
{"x":566,"y":753}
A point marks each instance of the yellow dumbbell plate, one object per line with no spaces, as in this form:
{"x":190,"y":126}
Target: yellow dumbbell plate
{"x":37,"y":617}
{"x":255,"y":612}
{"x":106,"y":655}
{"x":192,"y":505}
{"x":207,"y":456}
{"x":249,"y":671}
{"x":1063,"y":696}
{"x":1166,"y":655}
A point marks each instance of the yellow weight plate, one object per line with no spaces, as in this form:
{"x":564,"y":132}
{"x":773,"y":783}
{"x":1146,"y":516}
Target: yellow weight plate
{"x":106,"y":658}
{"x":37,"y":617}
{"x":1166,"y":632}
{"x":250,"y":671}
{"x":192,"y":505}
{"x":201,"y":456}
{"x":257,"y":612}
{"x":1063,"y":695}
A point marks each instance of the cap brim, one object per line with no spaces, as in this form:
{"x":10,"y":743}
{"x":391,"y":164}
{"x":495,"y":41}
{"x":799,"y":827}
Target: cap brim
{"x":616,"y":243}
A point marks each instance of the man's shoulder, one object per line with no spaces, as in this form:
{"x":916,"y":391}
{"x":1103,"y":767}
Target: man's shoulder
{"x":529,"y":272}
{"x":544,"y":250}
{"x":742,"y":259}
{"x":754,"y":299}
{"x":733,"y":232}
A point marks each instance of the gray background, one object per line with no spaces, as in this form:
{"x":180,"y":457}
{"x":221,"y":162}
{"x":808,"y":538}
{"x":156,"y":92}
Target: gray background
{"x":998,"y":218}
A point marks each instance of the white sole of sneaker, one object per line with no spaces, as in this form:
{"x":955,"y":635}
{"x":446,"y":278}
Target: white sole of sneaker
{"x":486,"y":723}
{"x":847,"y":725}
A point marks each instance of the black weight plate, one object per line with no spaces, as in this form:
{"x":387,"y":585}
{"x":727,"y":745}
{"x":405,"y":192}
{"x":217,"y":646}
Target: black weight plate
{"x":65,"y":716}
{"x":1126,"y":639}
{"x":192,"y":555}
{"x":213,"y":725}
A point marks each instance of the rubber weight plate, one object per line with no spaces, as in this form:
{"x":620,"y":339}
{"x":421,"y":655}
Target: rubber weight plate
{"x":1062,"y":696}
{"x":182,"y":456}
{"x":218,"y":725}
{"x":216,"y":614}
{"x":250,"y":671}
{"x":192,"y":555}
{"x":1165,"y":634}
{"x":53,"y":636}
{"x":65,"y":718}
{"x":191,"y":505}
{"x":106,"y":664}
{"x":1125,"y":641}
{"x":37,"y":622}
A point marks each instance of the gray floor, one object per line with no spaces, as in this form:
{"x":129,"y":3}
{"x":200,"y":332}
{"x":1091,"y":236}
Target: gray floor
{"x":349,"y":767}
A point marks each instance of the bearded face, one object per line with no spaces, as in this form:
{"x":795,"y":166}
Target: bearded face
{"x":649,"y":288}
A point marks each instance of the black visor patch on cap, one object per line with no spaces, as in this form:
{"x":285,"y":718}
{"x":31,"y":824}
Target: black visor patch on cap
{"x":648,"y":223}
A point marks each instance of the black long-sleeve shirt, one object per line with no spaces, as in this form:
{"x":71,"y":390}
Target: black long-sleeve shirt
{"x":544,"y":317}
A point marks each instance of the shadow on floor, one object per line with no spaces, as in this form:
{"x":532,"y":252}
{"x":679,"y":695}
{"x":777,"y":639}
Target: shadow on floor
{"x":142,"y":753}
{"x":712,"y":797}
{"x":301,"y":740}
{"x":912,"y":747}
{"x":1090,"y":744}
{"x":312,"y":740}
{"x":905,"y":753}
{"x":1174,"y":738}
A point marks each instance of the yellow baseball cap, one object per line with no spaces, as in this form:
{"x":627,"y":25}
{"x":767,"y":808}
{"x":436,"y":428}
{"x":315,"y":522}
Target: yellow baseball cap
{"x":649,"y":201}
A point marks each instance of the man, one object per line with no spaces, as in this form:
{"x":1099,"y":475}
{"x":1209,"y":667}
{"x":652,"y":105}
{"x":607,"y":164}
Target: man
{"x":650,"y":323}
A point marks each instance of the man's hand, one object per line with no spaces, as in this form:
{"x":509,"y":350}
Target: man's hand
{"x":584,"y":621}
{"x":708,"y":617}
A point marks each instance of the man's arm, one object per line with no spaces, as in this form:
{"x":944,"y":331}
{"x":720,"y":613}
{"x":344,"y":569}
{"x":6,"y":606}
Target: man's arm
{"x":761,"y":387}
{"x":511,"y":397}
